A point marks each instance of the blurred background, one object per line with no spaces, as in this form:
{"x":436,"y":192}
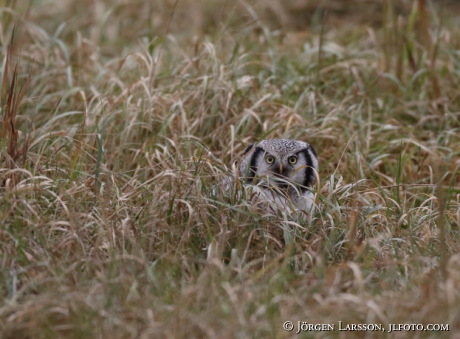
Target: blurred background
{"x":117,"y":24}
{"x":204,"y":16}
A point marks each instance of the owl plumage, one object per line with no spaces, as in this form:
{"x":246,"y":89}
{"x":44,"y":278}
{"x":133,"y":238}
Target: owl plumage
{"x":283,"y":172}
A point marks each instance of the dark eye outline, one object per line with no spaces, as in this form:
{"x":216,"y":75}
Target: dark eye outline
{"x":269,"y":159}
{"x":292,"y":160}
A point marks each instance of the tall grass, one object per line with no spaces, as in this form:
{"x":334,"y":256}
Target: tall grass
{"x":115,"y":226}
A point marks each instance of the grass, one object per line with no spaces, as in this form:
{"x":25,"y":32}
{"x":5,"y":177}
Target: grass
{"x":112,"y":225}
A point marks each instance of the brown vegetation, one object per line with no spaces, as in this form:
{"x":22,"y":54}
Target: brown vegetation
{"x":112,"y":225}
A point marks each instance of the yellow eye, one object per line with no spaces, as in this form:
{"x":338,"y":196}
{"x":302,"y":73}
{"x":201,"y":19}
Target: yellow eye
{"x":292,"y":160}
{"x":269,"y":159}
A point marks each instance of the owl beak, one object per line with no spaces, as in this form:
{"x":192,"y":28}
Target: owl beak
{"x":281,"y":168}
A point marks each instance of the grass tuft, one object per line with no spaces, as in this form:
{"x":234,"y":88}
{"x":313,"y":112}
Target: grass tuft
{"x":15,"y":156}
{"x":113,"y":221}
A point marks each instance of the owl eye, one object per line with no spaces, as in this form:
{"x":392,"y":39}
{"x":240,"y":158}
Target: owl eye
{"x":269,"y":159}
{"x":292,"y":160}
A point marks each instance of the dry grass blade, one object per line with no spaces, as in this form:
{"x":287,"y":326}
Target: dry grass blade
{"x":12,"y":95}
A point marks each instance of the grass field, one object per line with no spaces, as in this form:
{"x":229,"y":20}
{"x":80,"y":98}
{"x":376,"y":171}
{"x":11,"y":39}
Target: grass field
{"x":120,"y":118}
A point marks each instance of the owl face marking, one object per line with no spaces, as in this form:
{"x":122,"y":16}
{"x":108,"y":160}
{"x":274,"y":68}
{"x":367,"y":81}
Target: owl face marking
{"x":284,"y":172}
{"x":280,"y":161}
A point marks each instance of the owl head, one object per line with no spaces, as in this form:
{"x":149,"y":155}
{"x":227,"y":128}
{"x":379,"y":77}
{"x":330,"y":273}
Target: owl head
{"x":280,"y":162}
